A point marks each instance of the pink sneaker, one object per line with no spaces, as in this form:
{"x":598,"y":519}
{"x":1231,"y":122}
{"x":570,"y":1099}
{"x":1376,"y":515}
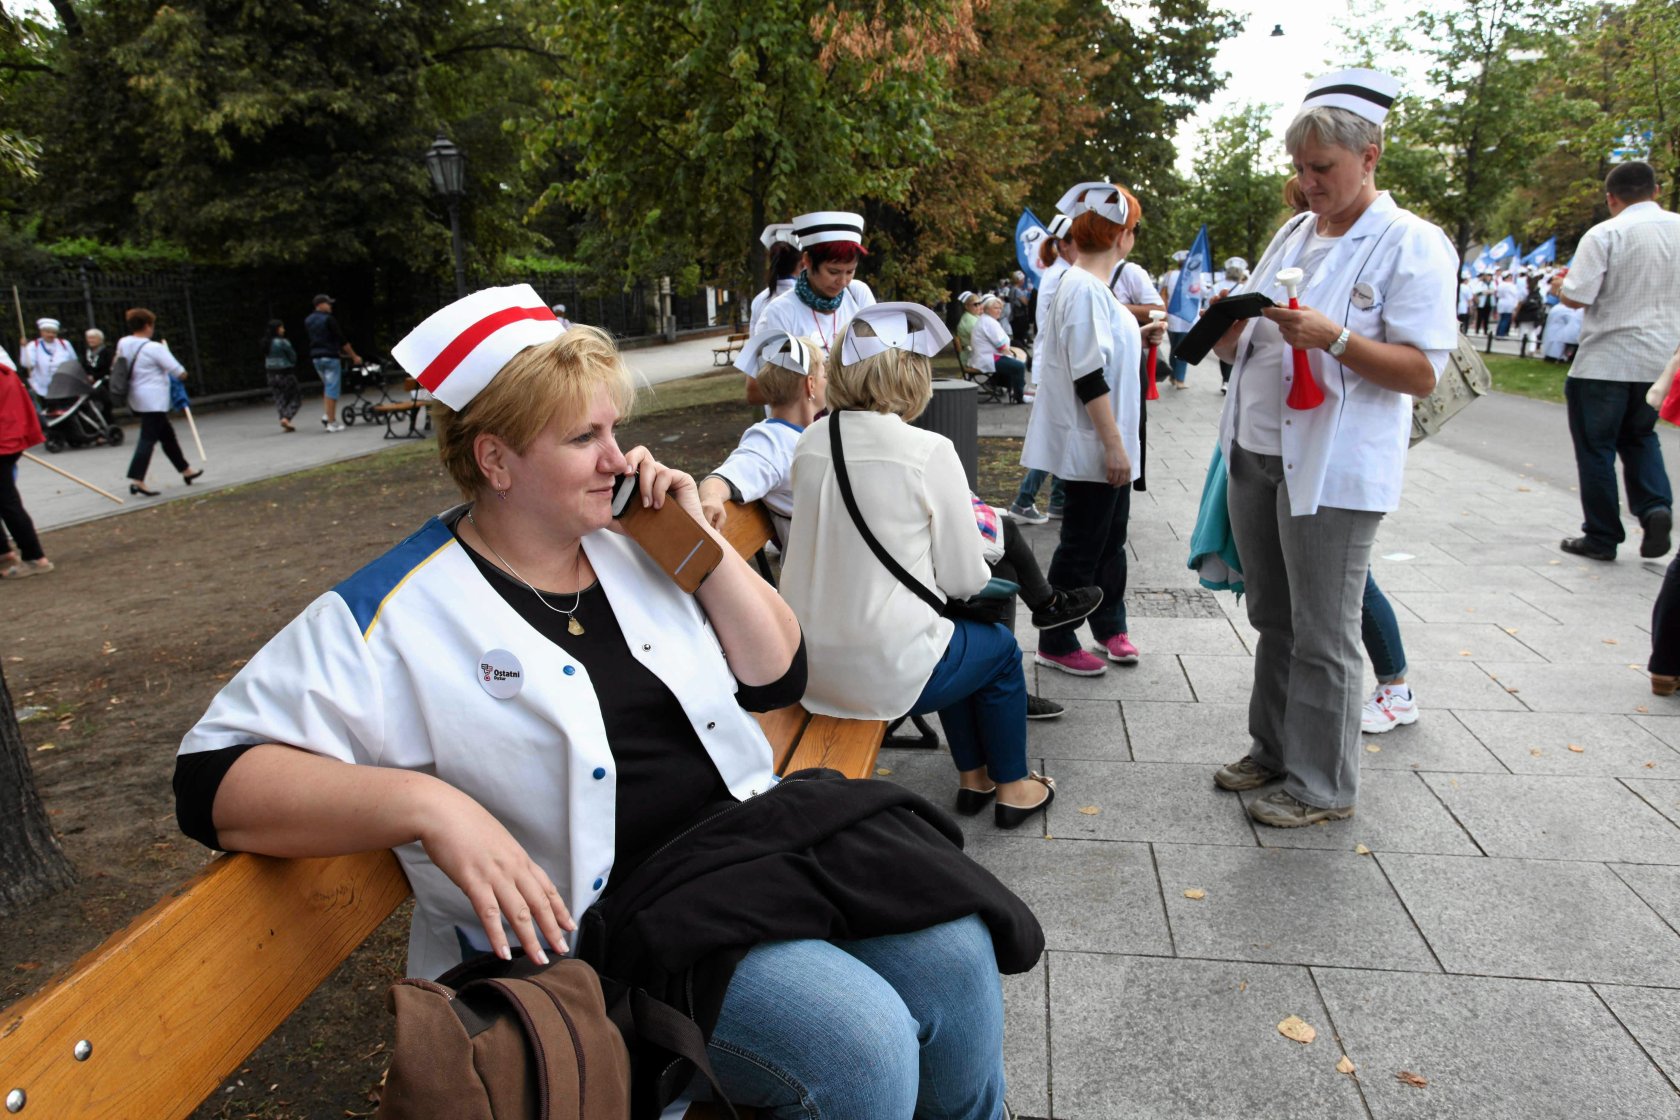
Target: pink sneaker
{"x":1121,"y":650}
{"x":1080,"y":663}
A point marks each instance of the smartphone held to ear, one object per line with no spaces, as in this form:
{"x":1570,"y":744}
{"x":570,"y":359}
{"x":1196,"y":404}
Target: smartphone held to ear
{"x":670,"y":535}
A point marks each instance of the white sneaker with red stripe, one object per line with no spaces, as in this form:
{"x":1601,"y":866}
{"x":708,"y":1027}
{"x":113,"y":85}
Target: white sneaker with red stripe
{"x":1389,"y":707}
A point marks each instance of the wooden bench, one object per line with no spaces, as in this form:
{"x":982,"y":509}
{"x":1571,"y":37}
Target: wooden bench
{"x":412,"y":408}
{"x":723,"y":355}
{"x":152,"y":1021}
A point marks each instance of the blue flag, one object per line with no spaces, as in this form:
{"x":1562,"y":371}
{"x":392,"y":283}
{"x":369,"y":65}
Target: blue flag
{"x":1183,"y":305}
{"x":1543,"y":253}
{"x":1029,"y":235}
{"x":1505,"y":249}
{"x":178,"y":398}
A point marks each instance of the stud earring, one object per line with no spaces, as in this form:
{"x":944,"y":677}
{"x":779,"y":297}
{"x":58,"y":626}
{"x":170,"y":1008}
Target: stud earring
{"x":502,"y":495}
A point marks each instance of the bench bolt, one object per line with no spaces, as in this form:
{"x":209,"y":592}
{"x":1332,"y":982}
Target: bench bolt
{"x":83,"y":1050}
{"x":15,"y":1100}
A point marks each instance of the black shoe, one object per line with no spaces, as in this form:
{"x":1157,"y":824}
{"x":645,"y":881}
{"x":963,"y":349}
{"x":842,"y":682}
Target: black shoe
{"x":188,"y":478}
{"x":1013,"y":816}
{"x":136,"y":488}
{"x":1040,"y":708}
{"x":1586,"y":546}
{"x":1067,"y":607}
{"x":971,"y":801}
{"x":1659,"y":523}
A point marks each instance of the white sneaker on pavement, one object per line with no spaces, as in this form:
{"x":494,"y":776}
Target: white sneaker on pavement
{"x":335,"y":426}
{"x":1389,"y":707}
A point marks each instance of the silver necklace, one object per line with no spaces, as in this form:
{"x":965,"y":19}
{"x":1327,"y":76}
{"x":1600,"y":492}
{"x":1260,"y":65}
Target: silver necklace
{"x":573,"y":626}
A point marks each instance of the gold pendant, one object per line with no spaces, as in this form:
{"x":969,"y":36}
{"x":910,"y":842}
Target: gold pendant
{"x":574,"y":627}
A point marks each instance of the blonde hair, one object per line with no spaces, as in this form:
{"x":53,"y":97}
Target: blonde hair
{"x":557,"y":378}
{"x":894,"y":381}
{"x":780,"y":385}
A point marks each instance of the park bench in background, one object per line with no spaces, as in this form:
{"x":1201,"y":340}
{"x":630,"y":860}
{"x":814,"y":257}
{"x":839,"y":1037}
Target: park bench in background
{"x":723,"y":355}
{"x":152,"y":1021}
{"x":412,"y":408}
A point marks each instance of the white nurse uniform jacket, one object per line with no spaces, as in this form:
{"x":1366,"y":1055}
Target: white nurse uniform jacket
{"x":787,"y":312}
{"x":1392,"y":277}
{"x":417,"y":662}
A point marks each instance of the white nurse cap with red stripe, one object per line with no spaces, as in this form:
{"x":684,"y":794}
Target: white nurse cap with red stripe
{"x":457,"y":350}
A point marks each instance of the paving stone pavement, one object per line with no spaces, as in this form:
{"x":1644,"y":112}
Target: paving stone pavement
{"x":1513,"y":936}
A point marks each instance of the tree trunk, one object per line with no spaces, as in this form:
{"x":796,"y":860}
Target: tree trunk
{"x":68,"y":17}
{"x":32,"y":865}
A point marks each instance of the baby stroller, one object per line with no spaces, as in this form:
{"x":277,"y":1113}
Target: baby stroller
{"x":368,"y":377}
{"x":77,"y":411}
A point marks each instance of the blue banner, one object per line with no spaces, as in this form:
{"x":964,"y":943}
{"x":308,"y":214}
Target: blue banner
{"x":1505,"y":249}
{"x":1029,"y":235}
{"x":178,"y":399}
{"x":1543,"y":253}
{"x":1183,"y":305}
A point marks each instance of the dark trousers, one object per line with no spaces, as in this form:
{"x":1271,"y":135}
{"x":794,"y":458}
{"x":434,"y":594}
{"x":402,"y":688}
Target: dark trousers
{"x":155,"y":431}
{"x":1091,"y":553}
{"x":1014,"y":374}
{"x":13,"y":516}
{"x":1504,"y":324}
{"x":1179,"y":369}
{"x":1020,"y":566}
{"x":1608,"y":419}
{"x":1665,"y":625}
{"x":1482,"y":314}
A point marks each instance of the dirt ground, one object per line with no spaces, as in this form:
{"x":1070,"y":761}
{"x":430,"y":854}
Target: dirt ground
{"x":125,"y":645}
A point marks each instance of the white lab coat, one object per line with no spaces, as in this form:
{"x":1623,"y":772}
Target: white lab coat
{"x":1350,"y":451}
{"x":41,"y":358}
{"x":788,"y":312}
{"x":1563,"y":328}
{"x":1088,"y":329}
{"x":762,"y":299}
{"x":385,"y":670}
{"x":1047,"y":285}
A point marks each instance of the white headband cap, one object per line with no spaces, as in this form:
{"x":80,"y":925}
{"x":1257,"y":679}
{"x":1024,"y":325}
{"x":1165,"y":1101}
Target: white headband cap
{"x":1181,"y":256}
{"x":457,"y":350}
{"x":897,"y":326}
{"x":46,"y":324}
{"x":1367,"y":93}
{"x":778,"y":231}
{"x":1059,"y":226}
{"x":1236,"y":262}
{"x":1114,"y":209}
{"x":775,"y":346}
{"x":964,"y":296}
{"x":823,"y":226}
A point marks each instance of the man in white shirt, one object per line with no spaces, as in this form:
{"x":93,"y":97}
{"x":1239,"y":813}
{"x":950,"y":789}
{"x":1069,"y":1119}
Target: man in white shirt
{"x":1626,"y":277}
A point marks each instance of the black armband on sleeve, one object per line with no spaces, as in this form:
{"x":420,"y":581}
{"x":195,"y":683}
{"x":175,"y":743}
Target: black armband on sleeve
{"x":1090,"y":387}
{"x":197,"y":778}
{"x":788,"y":689}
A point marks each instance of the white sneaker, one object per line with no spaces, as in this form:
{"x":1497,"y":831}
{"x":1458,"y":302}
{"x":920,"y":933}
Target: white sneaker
{"x":335,"y":426}
{"x":1388,"y":708}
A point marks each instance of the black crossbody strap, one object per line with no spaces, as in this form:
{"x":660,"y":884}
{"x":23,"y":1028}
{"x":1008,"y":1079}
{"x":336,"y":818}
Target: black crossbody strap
{"x":915,"y":585}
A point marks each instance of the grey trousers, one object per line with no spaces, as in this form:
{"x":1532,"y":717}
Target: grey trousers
{"x":1305,"y":581}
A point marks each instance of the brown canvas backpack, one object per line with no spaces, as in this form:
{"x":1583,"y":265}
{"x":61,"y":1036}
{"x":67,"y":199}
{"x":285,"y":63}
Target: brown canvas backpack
{"x":530,"y":1044}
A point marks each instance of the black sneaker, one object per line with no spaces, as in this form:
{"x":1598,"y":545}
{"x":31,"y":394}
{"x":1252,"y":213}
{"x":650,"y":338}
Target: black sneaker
{"x":1586,"y":546}
{"x":1659,"y":523}
{"x":1067,"y":607}
{"x":1040,"y":708}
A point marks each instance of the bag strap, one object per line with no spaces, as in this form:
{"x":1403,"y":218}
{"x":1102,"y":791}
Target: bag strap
{"x":669,"y":1029}
{"x":920,"y":589}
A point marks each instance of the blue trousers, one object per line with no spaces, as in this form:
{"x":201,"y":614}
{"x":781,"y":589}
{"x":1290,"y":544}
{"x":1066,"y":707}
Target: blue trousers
{"x":881,"y":1029}
{"x":1504,"y":324}
{"x":1381,"y":632}
{"x":980,"y":692}
{"x":1608,"y":419}
{"x":1028,"y":494}
{"x":1179,"y":368}
{"x":1014,"y":372}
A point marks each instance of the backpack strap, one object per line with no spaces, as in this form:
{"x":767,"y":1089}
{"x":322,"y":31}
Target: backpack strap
{"x":915,"y":585}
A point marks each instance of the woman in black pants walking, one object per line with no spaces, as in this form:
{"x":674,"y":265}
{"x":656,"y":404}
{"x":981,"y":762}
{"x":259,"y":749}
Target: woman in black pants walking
{"x":150,"y":366}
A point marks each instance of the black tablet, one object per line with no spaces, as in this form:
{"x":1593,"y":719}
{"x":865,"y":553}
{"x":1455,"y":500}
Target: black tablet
{"x":1216,"y":320}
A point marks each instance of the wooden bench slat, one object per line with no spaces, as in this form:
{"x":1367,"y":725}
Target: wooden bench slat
{"x":847,"y":745}
{"x":177,"y":1001}
{"x":747,"y":528}
{"x":783,"y":728}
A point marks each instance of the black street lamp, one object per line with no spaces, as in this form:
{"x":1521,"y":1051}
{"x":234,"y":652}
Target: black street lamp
{"x":447,"y":165}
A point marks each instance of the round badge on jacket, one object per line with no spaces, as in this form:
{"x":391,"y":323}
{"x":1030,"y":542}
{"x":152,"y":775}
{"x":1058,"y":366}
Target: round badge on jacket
{"x":500,"y":674}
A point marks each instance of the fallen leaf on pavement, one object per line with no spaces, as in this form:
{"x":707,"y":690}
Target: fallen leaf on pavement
{"x":1408,"y":1077}
{"x":1610,"y":641}
{"x":1641,"y":708}
{"x":1089,"y":810}
{"x":1195,"y":894}
{"x":26,"y":966}
{"x":1510,"y":629}
{"x":1373,"y":748}
{"x":1345,"y":1065}
{"x":1464,"y":653}
{"x":47,"y":747}
{"x":883,"y":771}
{"x":1361,"y":850}
{"x":1577,"y":748}
{"x":1298,"y":1029}
{"x":1536,"y":751}
{"x":1524,"y":490}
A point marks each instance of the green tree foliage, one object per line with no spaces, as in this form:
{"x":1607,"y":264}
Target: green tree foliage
{"x":1455,"y":153}
{"x":1239,"y":183}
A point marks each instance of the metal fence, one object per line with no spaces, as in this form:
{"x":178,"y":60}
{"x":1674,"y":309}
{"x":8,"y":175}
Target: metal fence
{"x":214,"y":319}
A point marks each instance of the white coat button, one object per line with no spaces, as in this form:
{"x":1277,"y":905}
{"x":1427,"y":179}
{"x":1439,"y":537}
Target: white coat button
{"x":1286,"y":423}
{"x":646,"y":648}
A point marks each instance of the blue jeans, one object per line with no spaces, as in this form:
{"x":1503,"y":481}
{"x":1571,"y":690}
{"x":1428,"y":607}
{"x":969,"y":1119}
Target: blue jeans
{"x":1504,"y":324}
{"x":1179,"y":368}
{"x":331,"y":371}
{"x":879,"y":1029}
{"x":1014,"y":373}
{"x":1092,"y":552}
{"x":1381,"y":631}
{"x":1028,"y":494}
{"x":980,"y":693}
{"x":1609,"y":419}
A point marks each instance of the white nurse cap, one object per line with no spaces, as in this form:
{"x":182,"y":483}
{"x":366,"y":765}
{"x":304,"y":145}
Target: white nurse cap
{"x":1366,"y":93}
{"x":1104,"y":198}
{"x":457,"y":350}
{"x":824,"y":226}
{"x":777,"y":347}
{"x":1236,"y":262}
{"x":778,"y":231}
{"x":897,"y":326}
{"x":1059,"y":226}
{"x":46,"y":324}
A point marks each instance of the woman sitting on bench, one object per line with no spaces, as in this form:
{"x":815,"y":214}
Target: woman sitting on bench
{"x":884,"y":531}
{"x":524,"y":750}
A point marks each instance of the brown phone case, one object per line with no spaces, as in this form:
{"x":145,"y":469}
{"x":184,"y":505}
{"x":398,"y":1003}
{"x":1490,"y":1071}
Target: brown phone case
{"x":676,"y":542}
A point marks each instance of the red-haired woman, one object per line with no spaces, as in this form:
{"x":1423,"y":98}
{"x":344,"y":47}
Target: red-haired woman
{"x":827,"y":294}
{"x":1084,"y":424}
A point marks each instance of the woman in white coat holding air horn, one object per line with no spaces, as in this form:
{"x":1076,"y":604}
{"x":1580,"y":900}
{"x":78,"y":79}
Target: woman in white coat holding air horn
{"x":1309,"y":483}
